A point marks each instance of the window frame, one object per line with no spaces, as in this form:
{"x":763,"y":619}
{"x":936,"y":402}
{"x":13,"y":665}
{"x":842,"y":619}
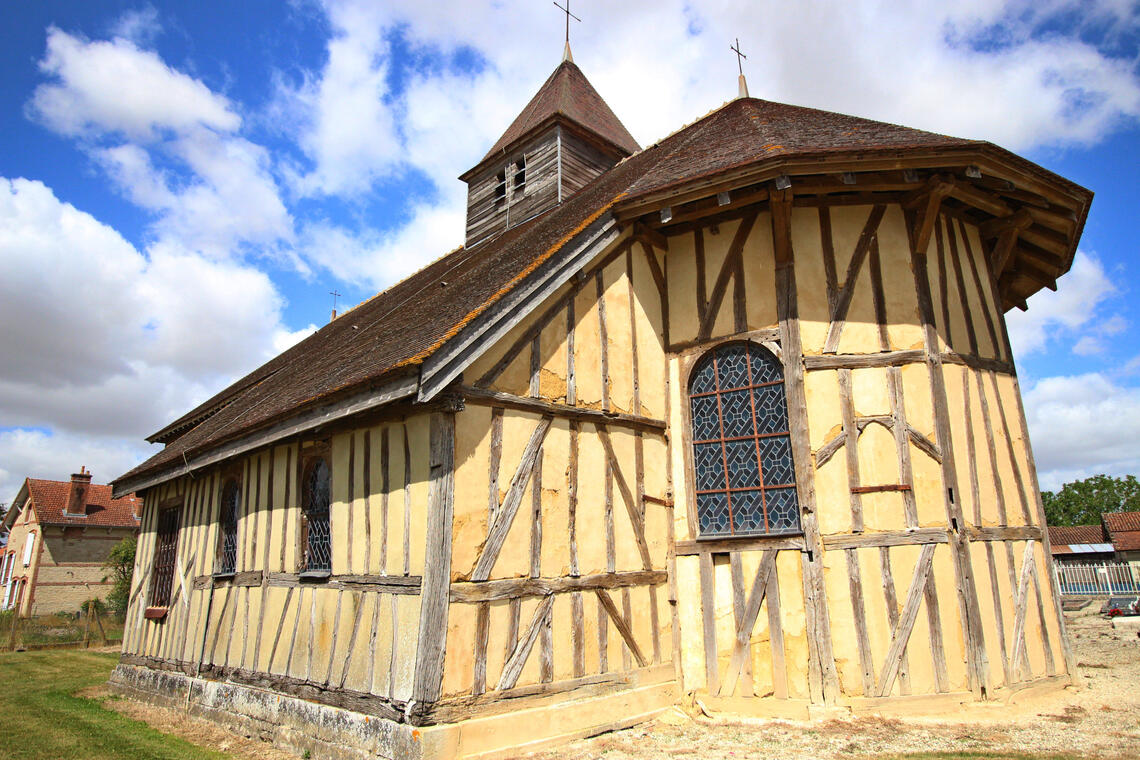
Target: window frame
{"x":310,"y":454}
{"x":690,"y":361}
{"x":29,"y":547}
{"x":234,"y":476}
{"x":162,"y":575}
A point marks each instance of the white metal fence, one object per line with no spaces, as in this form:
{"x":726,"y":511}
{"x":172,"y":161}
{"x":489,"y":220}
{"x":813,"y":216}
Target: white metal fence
{"x":1102,"y":579}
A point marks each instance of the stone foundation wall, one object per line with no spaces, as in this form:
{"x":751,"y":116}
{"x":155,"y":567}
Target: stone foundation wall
{"x":287,"y":722}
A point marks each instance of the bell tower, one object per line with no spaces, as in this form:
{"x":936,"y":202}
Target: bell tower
{"x":565,"y":137}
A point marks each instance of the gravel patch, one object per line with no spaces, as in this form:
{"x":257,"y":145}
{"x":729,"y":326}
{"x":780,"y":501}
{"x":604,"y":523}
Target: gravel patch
{"x":1100,"y":719}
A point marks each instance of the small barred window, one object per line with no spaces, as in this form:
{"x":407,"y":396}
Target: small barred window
{"x":227,"y":527}
{"x":742,"y":453}
{"x":165,"y":556}
{"x":315,"y":499}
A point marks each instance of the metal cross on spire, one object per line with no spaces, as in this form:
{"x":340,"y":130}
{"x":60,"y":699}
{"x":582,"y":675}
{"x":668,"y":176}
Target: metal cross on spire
{"x":566,"y":56}
{"x":743,"y":85}
{"x":739,"y":55}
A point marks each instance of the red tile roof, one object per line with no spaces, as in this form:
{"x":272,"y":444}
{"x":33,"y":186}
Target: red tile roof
{"x":1061,"y":535}
{"x":1123,"y":529}
{"x":396,"y":330}
{"x":568,"y":94}
{"x":49,"y":498}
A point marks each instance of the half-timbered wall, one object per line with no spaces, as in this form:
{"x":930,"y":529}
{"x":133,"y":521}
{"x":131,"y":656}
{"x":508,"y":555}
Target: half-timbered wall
{"x":921,"y":568}
{"x":354,"y":632}
{"x":562,"y":497}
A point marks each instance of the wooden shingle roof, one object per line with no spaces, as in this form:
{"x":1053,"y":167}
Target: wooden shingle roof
{"x":393,"y":333}
{"x":568,"y":94}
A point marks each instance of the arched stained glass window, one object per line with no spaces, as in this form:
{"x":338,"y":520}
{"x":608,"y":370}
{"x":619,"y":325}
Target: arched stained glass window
{"x":742,"y":453}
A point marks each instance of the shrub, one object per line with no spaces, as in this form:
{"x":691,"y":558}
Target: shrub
{"x":121,"y":563}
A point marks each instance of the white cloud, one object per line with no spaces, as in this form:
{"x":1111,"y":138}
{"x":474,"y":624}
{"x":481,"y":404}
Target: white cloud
{"x":116,"y":87}
{"x":349,"y":131}
{"x":54,"y":456}
{"x":101,"y":338}
{"x":1061,"y":313}
{"x":1082,"y":425}
{"x":140,"y":26}
{"x":214,"y":193}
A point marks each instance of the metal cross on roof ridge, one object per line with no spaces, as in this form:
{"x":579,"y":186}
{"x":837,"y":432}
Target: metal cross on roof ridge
{"x":739,"y":55}
{"x":569,"y":16}
{"x":335,"y":294}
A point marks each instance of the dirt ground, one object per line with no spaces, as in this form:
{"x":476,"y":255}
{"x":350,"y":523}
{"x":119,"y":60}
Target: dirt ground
{"x":1099,"y":720}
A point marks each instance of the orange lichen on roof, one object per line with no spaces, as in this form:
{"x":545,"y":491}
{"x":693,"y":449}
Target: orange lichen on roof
{"x":418,"y":358}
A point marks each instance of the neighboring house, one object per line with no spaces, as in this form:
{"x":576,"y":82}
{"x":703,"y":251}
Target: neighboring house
{"x":59,"y":536}
{"x":1123,"y":530}
{"x":1116,"y":539}
{"x":734,"y":415}
{"x":1080,"y":544}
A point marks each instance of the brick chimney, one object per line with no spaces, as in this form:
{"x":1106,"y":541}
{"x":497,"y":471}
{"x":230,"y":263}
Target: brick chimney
{"x":77,"y":495}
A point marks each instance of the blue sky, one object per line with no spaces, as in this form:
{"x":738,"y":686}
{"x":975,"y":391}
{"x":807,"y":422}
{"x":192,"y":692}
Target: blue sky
{"x":182,"y":185}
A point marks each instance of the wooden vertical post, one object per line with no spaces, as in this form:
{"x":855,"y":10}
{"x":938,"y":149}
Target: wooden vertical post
{"x":823,"y":681}
{"x":436,"y":586}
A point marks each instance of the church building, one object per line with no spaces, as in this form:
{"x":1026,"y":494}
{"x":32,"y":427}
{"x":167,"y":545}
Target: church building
{"x":730,"y":420}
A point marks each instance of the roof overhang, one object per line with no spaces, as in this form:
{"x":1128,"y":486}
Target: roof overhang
{"x":307,"y":421}
{"x":16,"y":507}
{"x":993,"y":188}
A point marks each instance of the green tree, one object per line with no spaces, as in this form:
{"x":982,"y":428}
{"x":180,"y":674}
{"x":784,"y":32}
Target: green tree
{"x":1083,"y":501}
{"x":121,"y":563}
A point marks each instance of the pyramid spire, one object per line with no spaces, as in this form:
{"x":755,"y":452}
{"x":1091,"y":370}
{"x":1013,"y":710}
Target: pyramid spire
{"x":569,"y":96}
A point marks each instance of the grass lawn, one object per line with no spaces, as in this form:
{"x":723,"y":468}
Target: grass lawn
{"x":43,"y":720}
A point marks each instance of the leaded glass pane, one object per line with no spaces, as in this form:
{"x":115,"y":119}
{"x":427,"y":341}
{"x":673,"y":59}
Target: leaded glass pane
{"x":783,"y":510}
{"x":736,"y":406}
{"x":713,"y":511}
{"x":748,"y":512}
{"x":227,"y":545}
{"x":709,"y":461}
{"x":771,"y":410}
{"x":732,"y":367}
{"x":704,"y":379}
{"x":742,"y":469}
{"x":315,"y":504}
{"x":765,"y":368}
{"x":776,"y":459}
{"x":706,"y":418}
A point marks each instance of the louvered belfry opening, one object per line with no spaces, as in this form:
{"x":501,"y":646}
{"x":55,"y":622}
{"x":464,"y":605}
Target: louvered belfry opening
{"x":745,"y":480}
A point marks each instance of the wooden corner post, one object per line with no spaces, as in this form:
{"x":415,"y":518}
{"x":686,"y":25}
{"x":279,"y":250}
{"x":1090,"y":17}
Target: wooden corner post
{"x":435,"y":593}
{"x":823,"y":681}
